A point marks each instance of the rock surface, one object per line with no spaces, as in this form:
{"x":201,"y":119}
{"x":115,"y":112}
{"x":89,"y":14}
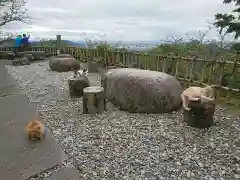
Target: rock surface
{"x":38,"y":55}
{"x":142,"y":91}
{"x":21,"y":61}
{"x":29,"y":57}
{"x":95,"y":65}
{"x":65,"y":56}
{"x":63,"y":64}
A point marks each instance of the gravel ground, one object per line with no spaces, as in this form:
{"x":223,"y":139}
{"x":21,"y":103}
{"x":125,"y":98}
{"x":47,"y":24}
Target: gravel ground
{"x":120,"y":145}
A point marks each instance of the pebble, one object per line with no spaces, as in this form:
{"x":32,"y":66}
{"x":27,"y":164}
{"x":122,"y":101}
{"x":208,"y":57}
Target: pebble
{"x":121,"y":145}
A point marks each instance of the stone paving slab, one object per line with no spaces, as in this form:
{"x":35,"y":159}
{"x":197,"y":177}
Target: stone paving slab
{"x":69,"y":173}
{"x":5,"y":61}
{"x":20,"y":158}
{"x":7,"y":83}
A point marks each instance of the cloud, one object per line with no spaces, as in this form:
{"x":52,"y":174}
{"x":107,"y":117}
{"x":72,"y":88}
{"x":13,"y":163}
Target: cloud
{"x":119,"y":20}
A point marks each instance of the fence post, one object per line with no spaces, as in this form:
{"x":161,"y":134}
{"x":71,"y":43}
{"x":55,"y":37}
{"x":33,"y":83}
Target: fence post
{"x":58,"y":44}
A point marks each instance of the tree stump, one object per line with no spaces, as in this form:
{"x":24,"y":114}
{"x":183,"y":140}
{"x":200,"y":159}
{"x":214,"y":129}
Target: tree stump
{"x":93,"y":100}
{"x":20,"y":61}
{"x":76,"y":85}
{"x":200,"y":114}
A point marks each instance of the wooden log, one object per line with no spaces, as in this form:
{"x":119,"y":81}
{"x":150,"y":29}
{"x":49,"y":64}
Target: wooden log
{"x":200,"y":114}
{"x":93,"y":100}
{"x":76,"y":85}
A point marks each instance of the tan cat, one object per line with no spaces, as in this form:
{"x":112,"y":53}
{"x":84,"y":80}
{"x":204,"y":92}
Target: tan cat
{"x":35,"y":129}
{"x":196,"y":93}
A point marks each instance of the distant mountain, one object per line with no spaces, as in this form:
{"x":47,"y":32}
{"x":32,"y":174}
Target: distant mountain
{"x":72,"y":43}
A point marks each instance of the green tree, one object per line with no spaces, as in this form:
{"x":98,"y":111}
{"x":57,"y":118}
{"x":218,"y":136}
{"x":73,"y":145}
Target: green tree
{"x":231,"y":21}
{"x":10,"y":11}
{"x":13,"y":10}
{"x":235,"y":47}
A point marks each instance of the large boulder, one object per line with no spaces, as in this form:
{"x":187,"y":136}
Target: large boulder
{"x":142,"y":91}
{"x":63,"y":64}
{"x":20,"y":61}
{"x":65,"y":56}
{"x":29,"y":57}
{"x":95,"y":65}
{"x":48,"y":54}
{"x":37,"y":55}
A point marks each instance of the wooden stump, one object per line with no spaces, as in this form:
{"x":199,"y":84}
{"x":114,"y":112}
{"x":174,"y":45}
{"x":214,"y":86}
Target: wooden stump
{"x":76,"y":86}
{"x":200,"y":115}
{"x":93,"y":100}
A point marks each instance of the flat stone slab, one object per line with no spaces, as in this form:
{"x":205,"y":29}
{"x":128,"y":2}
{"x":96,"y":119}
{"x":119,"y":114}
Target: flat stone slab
{"x":7,"y":83}
{"x":20,"y":158}
{"x":69,"y":173}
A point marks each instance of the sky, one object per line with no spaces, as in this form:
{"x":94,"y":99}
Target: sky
{"x":125,"y":20}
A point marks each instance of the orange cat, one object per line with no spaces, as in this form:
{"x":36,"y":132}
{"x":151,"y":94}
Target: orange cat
{"x":35,"y":129}
{"x":196,"y":93}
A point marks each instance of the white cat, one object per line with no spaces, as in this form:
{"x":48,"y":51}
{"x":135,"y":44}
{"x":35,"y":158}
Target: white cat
{"x":81,"y":72}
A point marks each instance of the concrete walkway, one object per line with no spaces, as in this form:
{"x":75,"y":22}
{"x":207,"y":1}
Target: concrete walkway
{"x":20,"y":158}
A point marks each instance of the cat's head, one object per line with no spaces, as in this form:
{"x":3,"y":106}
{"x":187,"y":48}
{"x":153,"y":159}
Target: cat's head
{"x":85,"y":72}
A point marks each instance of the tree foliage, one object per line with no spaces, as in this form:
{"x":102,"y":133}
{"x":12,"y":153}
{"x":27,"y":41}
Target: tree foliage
{"x":13,"y":10}
{"x":231,"y":21}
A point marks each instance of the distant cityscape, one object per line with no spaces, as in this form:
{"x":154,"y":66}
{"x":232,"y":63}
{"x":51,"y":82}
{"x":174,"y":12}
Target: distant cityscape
{"x":136,"y":45}
{"x":132,"y":45}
